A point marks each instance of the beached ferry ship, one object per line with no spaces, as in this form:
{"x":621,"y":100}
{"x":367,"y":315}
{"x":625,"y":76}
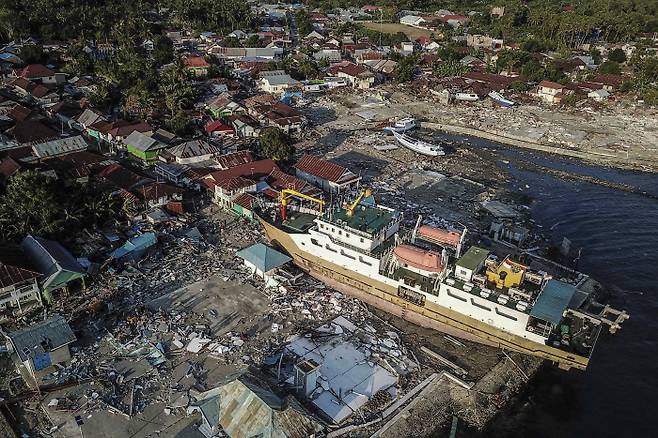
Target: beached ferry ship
{"x":427,"y":276}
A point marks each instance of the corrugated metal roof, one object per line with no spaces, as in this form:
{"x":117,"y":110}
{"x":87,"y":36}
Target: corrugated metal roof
{"x":192,"y":148}
{"x":552,"y":301}
{"x":321,"y":168}
{"x":140,"y":141}
{"x":60,"y":147}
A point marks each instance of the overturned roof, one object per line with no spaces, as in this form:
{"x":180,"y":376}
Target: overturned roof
{"x":247,"y":407}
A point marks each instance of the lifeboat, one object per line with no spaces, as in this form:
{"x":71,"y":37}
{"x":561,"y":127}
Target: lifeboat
{"x":419,"y":258}
{"x":440,"y":236}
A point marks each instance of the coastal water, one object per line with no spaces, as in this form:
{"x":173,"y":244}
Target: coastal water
{"x":618,"y":234}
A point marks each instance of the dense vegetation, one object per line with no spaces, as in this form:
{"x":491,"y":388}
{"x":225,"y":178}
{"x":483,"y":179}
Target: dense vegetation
{"x":117,"y":20}
{"x":36,"y":204}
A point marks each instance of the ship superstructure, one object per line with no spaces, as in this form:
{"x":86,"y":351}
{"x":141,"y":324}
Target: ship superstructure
{"x":426,"y":276}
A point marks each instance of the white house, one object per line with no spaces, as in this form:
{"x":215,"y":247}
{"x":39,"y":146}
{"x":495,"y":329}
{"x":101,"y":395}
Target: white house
{"x":412,"y":20}
{"x":550,"y":92}
{"x":276,"y":82}
{"x":19,"y":289}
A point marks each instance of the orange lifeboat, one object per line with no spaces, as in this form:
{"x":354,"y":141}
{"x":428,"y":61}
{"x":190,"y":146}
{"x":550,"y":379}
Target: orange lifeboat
{"x":419,"y":258}
{"x":439,"y":235}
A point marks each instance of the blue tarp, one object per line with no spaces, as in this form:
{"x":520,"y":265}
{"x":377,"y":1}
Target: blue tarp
{"x":263,"y":257}
{"x":41,"y":361}
{"x":552,"y":301}
{"x":135,"y":247}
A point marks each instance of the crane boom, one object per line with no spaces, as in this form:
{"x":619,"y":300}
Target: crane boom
{"x":364,"y":194}
{"x":287,"y":193}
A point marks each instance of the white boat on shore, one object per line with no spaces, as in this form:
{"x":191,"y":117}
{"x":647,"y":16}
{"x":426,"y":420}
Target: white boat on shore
{"x":402,"y":125}
{"x":467,"y":97}
{"x":501,"y":100}
{"x":420,"y":146}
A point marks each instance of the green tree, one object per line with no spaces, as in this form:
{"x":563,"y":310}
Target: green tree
{"x":449,"y":68}
{"x":275,"y":144}
{"x":609,"y":67}
{"x":253,"y":41}
{"x":36,"y":204}
{"x":617,"y":55}
{"x":176,"y":89}
{"x":406,"y":68}
{"x":163,"y":50}
{"x":179,"y":122}
{"x":32,"y":54}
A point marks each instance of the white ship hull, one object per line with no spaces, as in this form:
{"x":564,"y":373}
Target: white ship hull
{"x":419,"y":146}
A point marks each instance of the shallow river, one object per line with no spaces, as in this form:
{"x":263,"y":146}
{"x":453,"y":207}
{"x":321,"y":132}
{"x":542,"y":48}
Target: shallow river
{"x":618,"y":234}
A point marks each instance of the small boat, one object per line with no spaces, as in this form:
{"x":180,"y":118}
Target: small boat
{"x":501,"y":100}
{"x":467,"y":97}
{"x":420,"y":146}
{"x":402,"y":125}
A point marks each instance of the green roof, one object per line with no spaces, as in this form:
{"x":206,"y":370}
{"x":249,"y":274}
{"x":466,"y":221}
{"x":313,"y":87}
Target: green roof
{"x":473,"y":258}
{"x":552,"y":301}
{"x":263,"y":257}
{"x":368,"y":219}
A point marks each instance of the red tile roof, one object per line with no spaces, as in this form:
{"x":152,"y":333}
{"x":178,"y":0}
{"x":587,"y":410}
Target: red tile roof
{"x":14,"y":266}
{"x":321,"y":168}
{"x":348,"y":68}
{"x":280,"y":180}
{"x":235,"y":159}
{"x":245,"y":200}
{"x":489,"y":77}
{"x":20,"y":113}
{"x":121,"y":177}
{"x":29,"y":131}
{"x":35,"y":71}
{"x":253,"y":170}
{"x":217,"y":126}
{"x":232,"y":184}
{"x":195,"y":61}
{"x":125,"y":129}
{"x":608,"y":79}
{"x":156,"y":191}
{"x":550,"y":84}
{"x":8,"y":168}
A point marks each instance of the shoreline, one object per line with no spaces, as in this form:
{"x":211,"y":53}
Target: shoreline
{"x":611,"y":160}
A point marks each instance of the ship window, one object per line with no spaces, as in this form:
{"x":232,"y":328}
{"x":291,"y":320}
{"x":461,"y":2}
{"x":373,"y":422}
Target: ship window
{"x":361,"y":240}
{"x":364,"y":261}
{"x":506,"y":315}
{"x":330,"y":248}
{"x":315,"y":242}
{"x":347,"y":255}
{"x":347,"y":234}
{"x":457,"y":296}
{"x":340,"y":232}
{"x":321,"y":226}
{"x":476,"y":304}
